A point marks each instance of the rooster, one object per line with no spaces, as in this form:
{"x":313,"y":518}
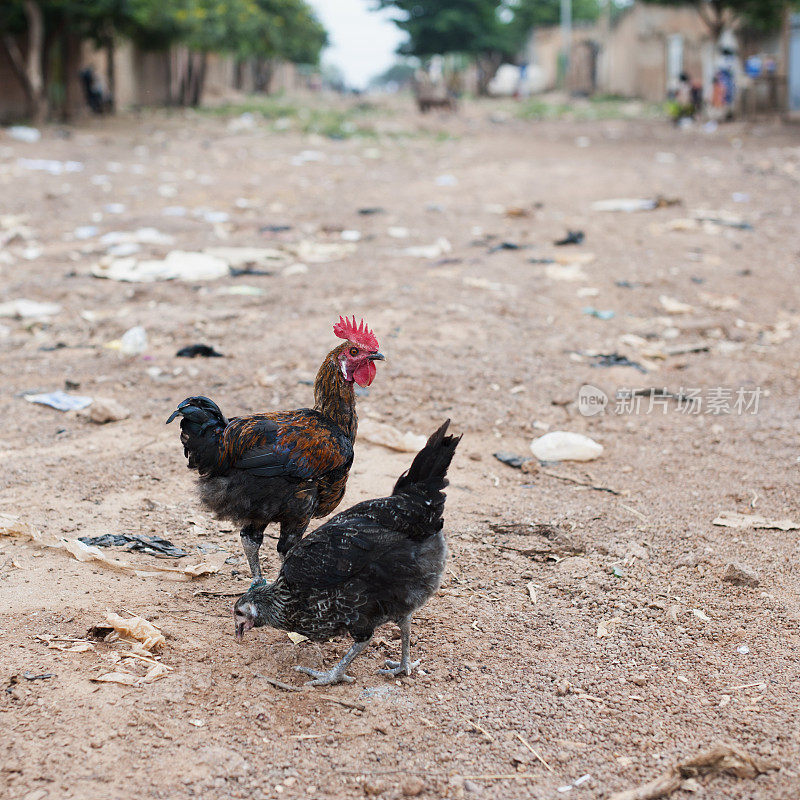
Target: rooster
{"x":284,"y":466}
{"x":377,"y":562}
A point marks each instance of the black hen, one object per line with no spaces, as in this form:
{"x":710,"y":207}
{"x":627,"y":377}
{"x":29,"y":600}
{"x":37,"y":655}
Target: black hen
{"x":377,"y":562}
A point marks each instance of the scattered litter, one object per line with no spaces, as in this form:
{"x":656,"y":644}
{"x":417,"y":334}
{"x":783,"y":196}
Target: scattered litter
{"x":23,"y":133}
{"x":380,"y":433}
{"x":743,"y":650}
{"x":49,"y":165}
{"x":61,"y":401}
{"x":572,"y":237}
{"x":484,"y":283}
{"x":615,"y":360}
{"x":280,"y":228}
{"x":28,"y":309}
{"x":565,"y":446}
{"x":723,"y":219}
{"x":132,"y":343}
{"x":152,"y":545}
{"x":673,"y":306}
{"x":114,"y":208}
{"x":721,"y":757}
{"x":371,"y":210}
{"x":295,"y":269}
{"x":598,"y":312}
{"x":123,"y":249}
{"x":446,"y":180}
{"x":11,"y":526}
{"x":242,"y":290}
{"x":732,"y":519}
{"x":178,"y":265}
{"x":627,"y":204}
{"x":198,"y":350}
{"x":565,"y":272}
{"x":139,"y":236}
{"x":174,"y":211}
{"x":740,"y":197}
{"x":350,"y":236}
{"x":307,"y":156}
{"x":322,"y":252}
{"x":740,"y":575}
{"x":137,"y":628}
{"x":431,"y":251}
{"x":700,"y":614}
{"x":103,"y":410}
{"x":250,"y":260}
{"x":65,"y":645}
{"x":85,"y":232}
{"x":496,"y":248}
{"x":511,"y":459}
{"x":398,"y":232}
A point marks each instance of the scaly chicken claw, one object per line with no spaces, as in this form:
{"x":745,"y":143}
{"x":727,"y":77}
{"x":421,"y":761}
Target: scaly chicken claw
{"x":329,"y":678}
{"x":396,"y":668}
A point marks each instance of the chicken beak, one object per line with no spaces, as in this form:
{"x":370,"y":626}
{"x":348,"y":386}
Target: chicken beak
{"x":377,"y":357}
{"x":241,"y":628}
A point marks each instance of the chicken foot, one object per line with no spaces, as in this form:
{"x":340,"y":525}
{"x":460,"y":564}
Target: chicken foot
{"x":339,"y":673}
{"x":395,"y":668}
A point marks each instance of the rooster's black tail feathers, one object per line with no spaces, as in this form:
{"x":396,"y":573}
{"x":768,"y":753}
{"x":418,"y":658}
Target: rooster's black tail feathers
{"x":428,"y":470}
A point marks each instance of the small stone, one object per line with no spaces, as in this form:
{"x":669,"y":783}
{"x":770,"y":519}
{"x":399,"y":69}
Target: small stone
{"x":104,"y":410}
{"x":412,"y":787}
{"x":372,"y":788}
{"x":740,"y":575}
{"x":471,"y":787}
{"x":563,"y":688}
{"x":638,"y":680}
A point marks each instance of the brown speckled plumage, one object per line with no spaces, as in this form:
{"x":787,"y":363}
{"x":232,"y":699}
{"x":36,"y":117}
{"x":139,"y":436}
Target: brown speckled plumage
{"x":286,"y":466}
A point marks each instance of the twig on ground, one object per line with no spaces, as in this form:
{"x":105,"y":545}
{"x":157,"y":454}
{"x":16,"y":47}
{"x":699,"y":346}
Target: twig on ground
{"x":287,"y":687}
{"x":525,"y":742}
{"x":479,"y":728}
{"x":578,"y":482}
{"x":720,"y":757}
{"x":346,"y":703}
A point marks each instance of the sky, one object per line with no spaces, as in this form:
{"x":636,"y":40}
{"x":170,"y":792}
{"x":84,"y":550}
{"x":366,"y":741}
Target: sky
{"x":362,"y":41}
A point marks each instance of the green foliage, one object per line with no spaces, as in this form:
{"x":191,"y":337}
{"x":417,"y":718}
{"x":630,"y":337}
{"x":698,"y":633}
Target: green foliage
{"x":762,"y":15}
{"x":286,"y":29}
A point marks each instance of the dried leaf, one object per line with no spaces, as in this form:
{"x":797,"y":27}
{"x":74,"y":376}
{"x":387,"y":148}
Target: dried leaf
{"x":608,"y":627}
{"x":297,"y":637}
{"x":732,"y":519}
{"x":380,"y":433}
{"x":137,"y":628}
{"x":532,"y":592}
{"x":124,"y":678}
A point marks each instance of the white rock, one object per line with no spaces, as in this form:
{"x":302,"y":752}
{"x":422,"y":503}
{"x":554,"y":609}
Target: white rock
{"x":133,"y":341}
{"x":104,"y":410}
{"x":27,"y":309}
{"x":565,"y":446}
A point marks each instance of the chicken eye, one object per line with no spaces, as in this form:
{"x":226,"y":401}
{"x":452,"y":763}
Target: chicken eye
{"x":354,"y":351}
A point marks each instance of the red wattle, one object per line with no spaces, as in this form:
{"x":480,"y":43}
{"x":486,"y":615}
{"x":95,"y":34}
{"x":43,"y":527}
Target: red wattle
{"x":365,"y":373}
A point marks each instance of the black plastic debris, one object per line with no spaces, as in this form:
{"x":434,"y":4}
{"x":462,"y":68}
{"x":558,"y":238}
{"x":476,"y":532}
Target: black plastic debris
{"x":237,"y":272}
{"x":572,"y":237}
{"x":370,"y":210}
{"x":152,"y":545}
{"x":541,"y":261}
{"x":198,"y":351}
{"x":627,"y":284}
{"x":274,"y":228}
{"x":505,"y":246}
{"x":615,"y":360}
{"x":32,"y":676}
{"x":511,"y":459}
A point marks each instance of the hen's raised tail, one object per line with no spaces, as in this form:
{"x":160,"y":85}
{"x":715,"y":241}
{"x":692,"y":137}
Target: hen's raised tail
{"x":202,"y":424}
{"x":427,"y":475}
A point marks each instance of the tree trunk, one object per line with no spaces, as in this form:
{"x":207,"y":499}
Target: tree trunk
{"x":69,"y":70}
{"x":488,"y":64}
{"x":198,"y":79}
{"x":28,"y":69}
{"x":111,"y":72}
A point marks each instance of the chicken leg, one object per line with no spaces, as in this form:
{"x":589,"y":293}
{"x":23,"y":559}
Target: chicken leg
{"x":394,"y":668}
{"x":252,"y":537}
{"x":339,"y":673}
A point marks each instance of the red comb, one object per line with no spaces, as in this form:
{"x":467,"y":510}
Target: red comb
{"x":358,"y":334}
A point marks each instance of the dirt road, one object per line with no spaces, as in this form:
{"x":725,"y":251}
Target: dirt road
{"x":609,"y":644}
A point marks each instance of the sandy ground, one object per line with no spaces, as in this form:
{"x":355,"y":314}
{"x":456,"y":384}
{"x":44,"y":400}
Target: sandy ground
{"x":613,"y":648}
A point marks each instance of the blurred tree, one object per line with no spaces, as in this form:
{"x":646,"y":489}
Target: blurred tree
{"x":400,"y":73}
{"x":719,"y":14}
{"x":471,"y":27}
